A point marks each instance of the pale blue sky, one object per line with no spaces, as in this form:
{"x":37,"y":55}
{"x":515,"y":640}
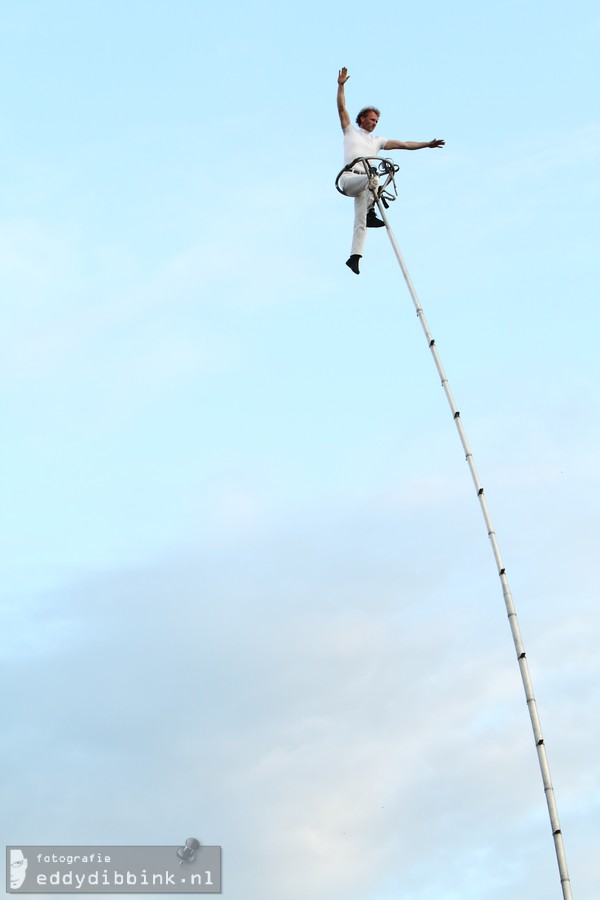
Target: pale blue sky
{"x":246,"y":588}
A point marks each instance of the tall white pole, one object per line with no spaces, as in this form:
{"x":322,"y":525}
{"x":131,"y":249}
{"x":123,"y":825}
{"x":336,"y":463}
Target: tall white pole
{"x":508,"y":600}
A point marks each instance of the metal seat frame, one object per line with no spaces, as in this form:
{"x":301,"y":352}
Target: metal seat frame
{"x":375,"y":166}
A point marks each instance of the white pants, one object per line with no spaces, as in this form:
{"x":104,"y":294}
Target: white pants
{"x":357,"y":186}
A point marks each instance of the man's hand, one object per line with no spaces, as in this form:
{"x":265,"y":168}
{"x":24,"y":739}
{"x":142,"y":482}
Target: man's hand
{"x":436,"y":143}
{"x":341,"y":98}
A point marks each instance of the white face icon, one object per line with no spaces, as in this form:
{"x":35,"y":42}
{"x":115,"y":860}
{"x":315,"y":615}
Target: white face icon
{"x":18,"y":868}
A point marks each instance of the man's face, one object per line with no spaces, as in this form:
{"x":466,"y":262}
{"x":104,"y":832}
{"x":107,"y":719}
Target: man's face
{"x":18,"y":868}
{"x":369,"y":121}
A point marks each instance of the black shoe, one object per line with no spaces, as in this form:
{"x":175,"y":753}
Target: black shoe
{"x":352,"y":263}
{"x":373,"y":221}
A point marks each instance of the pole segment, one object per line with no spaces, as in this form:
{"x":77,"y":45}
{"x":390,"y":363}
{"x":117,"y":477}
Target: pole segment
{"x":508,"y":600}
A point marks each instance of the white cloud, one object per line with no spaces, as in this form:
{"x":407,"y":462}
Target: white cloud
{"x":270,"y":696}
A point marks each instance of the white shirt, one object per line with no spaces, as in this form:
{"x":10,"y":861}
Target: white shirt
{"x":358,"y":142}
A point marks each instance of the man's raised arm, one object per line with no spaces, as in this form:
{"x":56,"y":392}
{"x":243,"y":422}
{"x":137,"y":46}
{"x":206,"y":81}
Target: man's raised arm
{"x":341,"y":98}
{"x":412,"y":145}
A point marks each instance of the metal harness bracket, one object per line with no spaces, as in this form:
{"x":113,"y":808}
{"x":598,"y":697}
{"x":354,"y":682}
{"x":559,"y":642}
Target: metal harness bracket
{"x":375,"y":166}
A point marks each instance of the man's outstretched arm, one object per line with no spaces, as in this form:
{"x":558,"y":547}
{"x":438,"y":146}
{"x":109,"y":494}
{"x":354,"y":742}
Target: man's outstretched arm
{"x":341,"y":98}
{"x":412,"y":145}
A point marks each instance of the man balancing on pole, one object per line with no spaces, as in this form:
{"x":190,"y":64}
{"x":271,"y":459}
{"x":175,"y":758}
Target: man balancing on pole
{"x":361,"y":142}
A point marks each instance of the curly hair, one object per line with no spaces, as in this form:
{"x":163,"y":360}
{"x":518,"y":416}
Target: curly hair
{"x":365,"y":110}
